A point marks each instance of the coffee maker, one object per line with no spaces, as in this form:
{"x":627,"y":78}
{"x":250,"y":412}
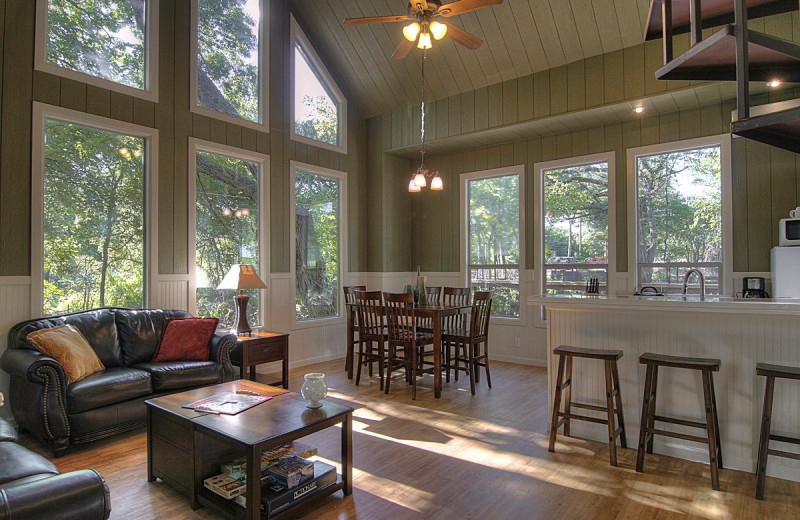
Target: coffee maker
{"x":754,"y":287}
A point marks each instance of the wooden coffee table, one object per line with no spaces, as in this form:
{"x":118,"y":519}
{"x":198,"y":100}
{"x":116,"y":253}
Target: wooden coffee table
{"x":185,"y":447}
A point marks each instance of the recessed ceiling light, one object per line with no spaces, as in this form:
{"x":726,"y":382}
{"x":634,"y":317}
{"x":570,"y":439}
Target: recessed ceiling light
{"x":639,"y":109}
{"x":774,"y":83}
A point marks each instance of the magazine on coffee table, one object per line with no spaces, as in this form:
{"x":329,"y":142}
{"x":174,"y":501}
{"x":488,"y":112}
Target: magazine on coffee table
{"x":228,"y":403}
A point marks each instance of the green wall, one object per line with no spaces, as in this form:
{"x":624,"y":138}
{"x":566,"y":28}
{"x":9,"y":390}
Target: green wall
{"x":21,"y":85}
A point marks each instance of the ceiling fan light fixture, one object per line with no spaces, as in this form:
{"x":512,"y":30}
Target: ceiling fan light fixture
{"x":411,"y":31}
{"x":424,"y":41}
{"x":436,"y":183}
{"x":438,"y":30}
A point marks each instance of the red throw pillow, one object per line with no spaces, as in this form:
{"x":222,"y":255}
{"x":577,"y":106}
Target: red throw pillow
{"x":186,"y":339}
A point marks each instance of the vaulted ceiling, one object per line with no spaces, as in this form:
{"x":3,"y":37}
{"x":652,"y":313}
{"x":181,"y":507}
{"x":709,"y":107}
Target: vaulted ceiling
{"x":520,"y":37}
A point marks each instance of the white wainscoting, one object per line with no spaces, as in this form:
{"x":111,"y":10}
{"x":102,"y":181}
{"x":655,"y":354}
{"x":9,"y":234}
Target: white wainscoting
{"x":15,"y":306}
{"x":172,"y":292}
{"x":738,"y":340}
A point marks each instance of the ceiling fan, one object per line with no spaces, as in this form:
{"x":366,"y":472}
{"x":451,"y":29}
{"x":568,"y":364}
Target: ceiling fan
{"x":423,"y":15}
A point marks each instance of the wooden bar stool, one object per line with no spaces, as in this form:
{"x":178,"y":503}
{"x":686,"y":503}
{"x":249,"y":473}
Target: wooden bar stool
{"x":610,"y":357}
{"x":647,"y":428}
{"x":771,"y":372}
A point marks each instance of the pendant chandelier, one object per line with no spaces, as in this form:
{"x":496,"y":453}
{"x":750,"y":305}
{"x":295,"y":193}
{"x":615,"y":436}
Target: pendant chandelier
{"x":420,"y":175}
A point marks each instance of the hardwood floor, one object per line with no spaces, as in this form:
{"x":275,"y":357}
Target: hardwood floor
{"x":463,"y":457}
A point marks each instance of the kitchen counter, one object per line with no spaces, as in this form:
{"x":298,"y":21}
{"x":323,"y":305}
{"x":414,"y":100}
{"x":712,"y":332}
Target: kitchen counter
{"x":673,"y":303}
{"x":739,"y":332}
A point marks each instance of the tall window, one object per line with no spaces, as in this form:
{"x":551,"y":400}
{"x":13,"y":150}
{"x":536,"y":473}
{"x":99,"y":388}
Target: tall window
{"x":229,"y":69}
{"x":318,"y":217}
{"x":493,"y":236}
{"x":228,"y":224}
{"x":679,"y":214}
{"x":112,"y":41}
{"x":319,"y":111}
{"x":91,"y":211}
{"x":575,"y":224}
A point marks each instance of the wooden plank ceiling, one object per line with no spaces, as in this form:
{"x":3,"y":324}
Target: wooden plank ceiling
{"x":520,"y":37}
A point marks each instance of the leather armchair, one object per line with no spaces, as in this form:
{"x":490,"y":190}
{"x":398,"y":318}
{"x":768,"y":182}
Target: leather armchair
{"x":110,"y":401}
{"x":79,"y":495}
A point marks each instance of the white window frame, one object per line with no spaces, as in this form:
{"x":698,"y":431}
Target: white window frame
{"x":724,"y":143}
{"x":465,"y":178}
{"x":539,"y":221}
{"x":264,"y":270}
{"x":298,"y":37}
{"x":263,"y":39}
{"x":150,"y":91}
{"x":43,"y":112}
{"x":341,"y":176}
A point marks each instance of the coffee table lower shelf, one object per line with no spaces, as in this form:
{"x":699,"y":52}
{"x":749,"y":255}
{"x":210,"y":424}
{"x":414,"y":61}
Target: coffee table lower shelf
{"x":230,"y":509}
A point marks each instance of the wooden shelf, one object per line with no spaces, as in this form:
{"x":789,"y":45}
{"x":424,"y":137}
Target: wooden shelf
{"x":776,"y":124}
{"x":714,"y":14}
{"x":714,"y":59}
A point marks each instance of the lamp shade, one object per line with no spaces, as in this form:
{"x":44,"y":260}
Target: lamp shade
{"x":242,"y":276}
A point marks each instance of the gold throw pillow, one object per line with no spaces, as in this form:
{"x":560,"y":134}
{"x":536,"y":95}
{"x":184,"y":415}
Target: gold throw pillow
{"x":67,"y":345}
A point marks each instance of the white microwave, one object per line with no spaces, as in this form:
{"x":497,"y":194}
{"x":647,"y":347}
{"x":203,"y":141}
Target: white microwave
{"x":789,"y":232}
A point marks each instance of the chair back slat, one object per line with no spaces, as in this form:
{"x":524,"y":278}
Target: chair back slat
{"x":455,"y":296}
{"x":369,"y":305}
{"x":350,"y":292}
{"x":434,"y":295}
{"x":481,"y":312}
{"x":400,"y":317}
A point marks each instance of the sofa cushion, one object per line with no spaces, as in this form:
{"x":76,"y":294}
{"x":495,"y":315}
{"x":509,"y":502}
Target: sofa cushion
{"x":169,"y":375}
{"x":19,"y":462}
{"x":67,"y":346}
{"x":186,"y":339}
{"x":140,"y":332}
{"x":113,"y":385}
{"x":7,"y":432}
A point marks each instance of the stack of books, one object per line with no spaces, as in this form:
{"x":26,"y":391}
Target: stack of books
{"x":276,"y":498}
{"x":232,"y":481}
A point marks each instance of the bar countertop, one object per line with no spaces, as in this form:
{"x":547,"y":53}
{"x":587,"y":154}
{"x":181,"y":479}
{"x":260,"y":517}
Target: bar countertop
{"x":672,"y":303}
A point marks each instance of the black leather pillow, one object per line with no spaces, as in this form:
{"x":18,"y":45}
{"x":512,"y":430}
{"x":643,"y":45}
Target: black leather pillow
{"x":140,"y":331}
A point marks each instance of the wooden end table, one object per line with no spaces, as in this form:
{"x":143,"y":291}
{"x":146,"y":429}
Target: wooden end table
{"x":264,"y":347}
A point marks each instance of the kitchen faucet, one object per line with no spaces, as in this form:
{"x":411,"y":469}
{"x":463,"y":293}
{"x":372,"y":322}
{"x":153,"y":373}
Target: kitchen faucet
{"x":702,"y":281}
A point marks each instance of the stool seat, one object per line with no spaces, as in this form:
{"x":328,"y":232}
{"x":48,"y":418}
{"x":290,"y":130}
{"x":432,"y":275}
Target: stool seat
{"x":648,"y":429}
{"x":765,"y":369}
{"x":587,"y":352}
{"x":613,"y":397}
{"x":772,"y":372}
{"x":691,"y":363}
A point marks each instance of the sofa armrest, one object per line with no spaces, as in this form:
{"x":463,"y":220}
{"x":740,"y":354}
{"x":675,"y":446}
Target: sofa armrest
{"x":37,"y":393}
{"x":79,"y":495}
{"x":221,"y":345}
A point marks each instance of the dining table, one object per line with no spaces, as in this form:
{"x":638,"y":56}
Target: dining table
{"x":433,"y":312}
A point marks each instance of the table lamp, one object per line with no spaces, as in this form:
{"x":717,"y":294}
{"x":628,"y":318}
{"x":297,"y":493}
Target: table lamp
{"x":241,"y":277}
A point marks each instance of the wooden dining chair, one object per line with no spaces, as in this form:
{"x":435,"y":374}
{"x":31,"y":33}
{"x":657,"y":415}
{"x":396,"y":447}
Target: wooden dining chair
{"x":404,"y":338}
{"x":371,"y":332}
{"x":350,"y":299}
{"x":468,"y":342}
{"x":434,"y":295}
{"x":452,"y":296}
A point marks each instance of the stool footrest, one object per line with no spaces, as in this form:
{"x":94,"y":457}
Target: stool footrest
{"x":783,"y":438}
{"x":563,"y":385}
{"x":583,"y":417}
{"x":589,"y":407}
{"x":677,"y":435}
{"x":786,"y":454}
{"x":682,"y":422}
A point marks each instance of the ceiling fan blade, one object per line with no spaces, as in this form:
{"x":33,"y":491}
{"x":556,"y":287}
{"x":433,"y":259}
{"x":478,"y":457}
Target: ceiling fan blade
{"x":403,"y":49}
{"x":377,"y":19}
{"x":418,"y":5}
{"x":466,"y":39}
{"x":465,"y":6}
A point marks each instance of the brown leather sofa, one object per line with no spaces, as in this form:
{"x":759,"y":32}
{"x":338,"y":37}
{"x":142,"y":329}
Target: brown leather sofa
{"x":32,"y":489}
{"x":110,"y":401}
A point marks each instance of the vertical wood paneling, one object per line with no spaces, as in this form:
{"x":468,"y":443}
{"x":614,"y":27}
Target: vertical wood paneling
{"x":15,"y":307}
{"x":759,"y":216}
{"x":46,"y":88}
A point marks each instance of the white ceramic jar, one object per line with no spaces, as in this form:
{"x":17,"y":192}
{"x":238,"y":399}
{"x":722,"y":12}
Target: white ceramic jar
{"x":314,"y":389}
